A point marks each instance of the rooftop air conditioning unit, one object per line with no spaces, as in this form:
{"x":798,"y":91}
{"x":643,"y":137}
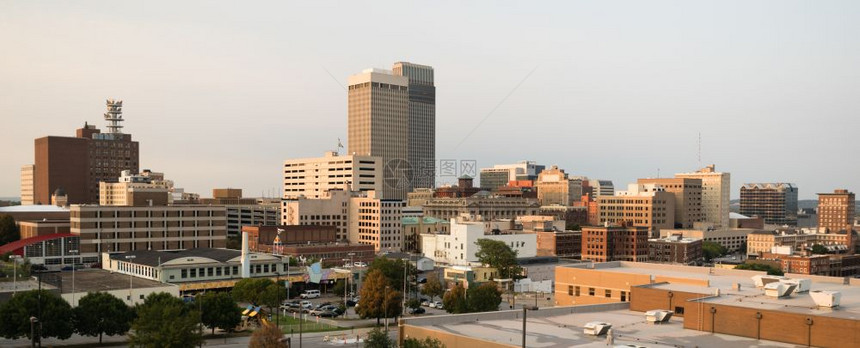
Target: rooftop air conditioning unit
{"x":779,"y":289}
{"x":658,"y":316}
{"x":803,"y":285}
{"x":762,"y":280}
{"x":596,"y":328}
{"x":826,"y":298}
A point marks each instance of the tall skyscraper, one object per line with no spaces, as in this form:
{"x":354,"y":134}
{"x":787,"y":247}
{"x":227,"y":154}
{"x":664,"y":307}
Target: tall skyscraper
{"x":776,"y":203}
{"x":422,"y":121}
{"x":378,"y":114}
{"x":716,"y":191}
{"x":78,"y":164}
{"x":836,"y":211}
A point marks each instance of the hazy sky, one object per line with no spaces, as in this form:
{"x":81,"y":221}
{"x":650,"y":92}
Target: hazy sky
{"x":220,"y":93}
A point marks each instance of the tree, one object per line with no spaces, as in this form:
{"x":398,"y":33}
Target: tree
{"x":268,"y":336}
{"x":56,"y":318}
{"x":434,"y":287}
{"x":484,"y":298}
{"x":165,"y":321}
{"x":8,"y":231}
{"x":499,"y":255}
{"x":220,"y":310}
{"x":427,"y":342}
{"x":771,"y":270}
{"x":377,"y":338}
{"x":100,"y":313}
{"x":819,"y":249}
{"x":713,"y":250}
{"x":455,"y":300}
{"x":393,"y":271}
{"x":339,"y":287}
{"x":413,"y":303}
{"x":376,"y":299}
{"x":258,"y":291}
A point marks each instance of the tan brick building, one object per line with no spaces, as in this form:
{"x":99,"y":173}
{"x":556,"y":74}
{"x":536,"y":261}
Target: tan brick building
{"x":688,"y":198}
{"x":716,"y":192}
{"x":836,"y":211}
{"x":313,"y":177}
{"x":615,"y":243}
{"x":554,"y":186}
{"x":642,"y":206}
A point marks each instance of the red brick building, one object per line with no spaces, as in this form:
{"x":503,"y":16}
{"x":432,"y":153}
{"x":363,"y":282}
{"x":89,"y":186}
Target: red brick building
{"x":615,"y":243}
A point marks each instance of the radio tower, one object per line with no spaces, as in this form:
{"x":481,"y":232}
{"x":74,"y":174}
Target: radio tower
{"x":114,"y":116}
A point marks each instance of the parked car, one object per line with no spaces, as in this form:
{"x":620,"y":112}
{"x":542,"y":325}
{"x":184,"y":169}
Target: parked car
{"x":351,"y":303}
{"x":438,"y":305}
{"x":418,"y":310}
{"x":327,"y":314}
{"x":422,"y":280}
{"x":425,"y":303}
{"x":310,"y":294}
{"x":360,"y":264}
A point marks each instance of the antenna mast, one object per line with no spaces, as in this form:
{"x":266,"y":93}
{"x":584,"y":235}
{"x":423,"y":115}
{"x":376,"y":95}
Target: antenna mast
{"x":114,"y":116}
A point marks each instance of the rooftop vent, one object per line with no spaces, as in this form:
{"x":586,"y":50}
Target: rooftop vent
{"x":658,"y":316}
{"x":803,"y":285}
{"x":762,"y":280}
{"x":596,"y":328}
{"x":778,"y":289}
{"x":826,"y":298}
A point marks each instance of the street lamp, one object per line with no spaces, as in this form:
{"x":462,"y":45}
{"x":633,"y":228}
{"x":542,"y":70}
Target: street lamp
{"x":525,"y":310}
{"x":14,"y":259}
{"x":385,"y":306}
{"x":74,"y":264}
{"x":130,"y":277}
{"x":33,"y":321}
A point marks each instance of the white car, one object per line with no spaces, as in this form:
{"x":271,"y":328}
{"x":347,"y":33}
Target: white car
{"x":310,"y":294}
{"x":360,"y":264}
{"x":437,"y":305}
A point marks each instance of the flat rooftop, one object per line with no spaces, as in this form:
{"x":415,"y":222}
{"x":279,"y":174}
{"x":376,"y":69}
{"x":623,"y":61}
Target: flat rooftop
{"x":628,"y":327}
{"x":722,"y":281}
{"x":92,"y":280}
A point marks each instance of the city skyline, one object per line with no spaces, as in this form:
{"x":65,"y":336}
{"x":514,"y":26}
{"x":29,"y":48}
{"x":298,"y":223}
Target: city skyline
{"x":584,"y":88}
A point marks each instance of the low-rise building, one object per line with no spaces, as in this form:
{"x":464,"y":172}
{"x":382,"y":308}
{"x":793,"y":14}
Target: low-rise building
{"x":614,"y":243}
{"x":648,"y":206}
{"x":675,"y":249}
{"x":413,"y":227}
{"x":468,"y":276}
{"x":458,"y":247}
{"x":482,"y":204}
{"x":733,"y":239}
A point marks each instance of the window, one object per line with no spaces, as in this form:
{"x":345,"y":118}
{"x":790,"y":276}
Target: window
{"x":679,"y":310}
{"x":570,"y":290}
{"x":608,"y":293}
{"x":193,"y":273}
{"x":577,"y":291}
{"x":590,"y":291}
{"x":624,"y":296}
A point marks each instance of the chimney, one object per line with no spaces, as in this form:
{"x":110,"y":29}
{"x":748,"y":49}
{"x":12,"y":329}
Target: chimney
{"x":246,"y":256}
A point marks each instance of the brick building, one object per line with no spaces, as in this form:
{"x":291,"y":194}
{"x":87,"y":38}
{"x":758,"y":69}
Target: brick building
{"x":615,"y":243}
{"x":675,"y":249}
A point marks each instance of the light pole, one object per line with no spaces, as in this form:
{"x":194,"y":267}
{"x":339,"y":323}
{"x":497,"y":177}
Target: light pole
{"x":525,"y":310}
{"x":130,"y":277}
{"x":74,"y":264}
{"x":278,"y":310}
{"x":385,"y":307}
{"x":14,"y":259}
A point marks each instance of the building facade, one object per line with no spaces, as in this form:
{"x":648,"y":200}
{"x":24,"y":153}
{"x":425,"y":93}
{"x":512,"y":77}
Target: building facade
{"x":688,"y":198}
{"x":378,"y":115}
{"x":675,"y":249}
{"x":494,"y":178}
{"x":776,"y":203}
{"x":642,"y":205}
{"x":312,"y":177}
{"x":422,"y":121}
{"x":486,"y":206}
{"x":716,"y":192}
{"x":459,"y":248}
{"x":28,"y":172}
{"x":555,"y":187}
{"x":615,"y":243}
{"x":836,"y":211}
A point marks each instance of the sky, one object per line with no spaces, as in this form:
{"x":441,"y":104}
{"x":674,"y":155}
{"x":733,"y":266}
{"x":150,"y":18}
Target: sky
{"x":220,"y":93}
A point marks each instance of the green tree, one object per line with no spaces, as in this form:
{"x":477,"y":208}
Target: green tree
{"x":100,"y":313}
{"x":499,"y":255}
{"x":267,"y":336}
{"x":393,"y":271}
{"x":8,"y":230}
{"x":376,"y":299}
{"x":455,"y":300}
{"x":819,"y":249}
{"x":427,"y":342}
{"x":377,"y":338}
{"x":339,"y":288}
{"x":220,"y":310}
{"x":484,"y":298}
{"x":256,"y":291}
{"x":434,"y":287}
{"x":713,"y":250}
{"x":771,"y":270}
{"x":56,"y":318}
{"x":165,"y":321}
{"x":413,"y":303}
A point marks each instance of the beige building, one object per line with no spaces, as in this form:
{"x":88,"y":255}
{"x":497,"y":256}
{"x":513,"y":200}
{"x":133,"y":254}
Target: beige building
{"x":641,"y":206}
{"x":716,"y":191}
{"x":798,"y":241}
{"x":128,"y":228}
{"x":378,"y":114}
{"x":733,"y":239}
{"x":142,"y":189}
{"x":556,"y":187}
{"x":360,"y":217}
{"x":419,"y":196}
{"x":313,"y":177}
{"x":688,"y":198}
{"x":487,"y":206}
{"x":27,"y":173}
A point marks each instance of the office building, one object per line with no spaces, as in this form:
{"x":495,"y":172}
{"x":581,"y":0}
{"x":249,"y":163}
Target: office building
{"x":836,"y":211}
{"x":313,"y":177}
{"x":675,"y":249}
{"x":422,"y":121}
{"x":413,"y":227}
{"x":78,"y":164}
{"x":555,"y":187}
{"x":614,"y":243}
{"x":716,"y":191}
{"x":308,"y":242}
{"x":647,"y":206}
{"x":464,"y":188}
{"x":800,"y":241}
{"x":688,"y":198}
{"x":524,"y":170}
{"x":482,"y":204}
{"x":734,"y":239}
{"x":27,"y":174}
{"x":494,"y":178}
{"x":243,"y":211}
{"x":459,"y":248}
{"x":776,"y":203}
{"x":142,"y":189}
{"x":378,"y":114}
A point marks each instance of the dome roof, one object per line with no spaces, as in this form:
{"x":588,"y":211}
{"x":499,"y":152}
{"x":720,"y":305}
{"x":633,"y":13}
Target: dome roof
{"x":59,"y":192}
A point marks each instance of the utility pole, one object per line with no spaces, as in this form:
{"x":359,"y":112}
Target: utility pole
{"x":74,"y":264}
{"x":130,"y":278}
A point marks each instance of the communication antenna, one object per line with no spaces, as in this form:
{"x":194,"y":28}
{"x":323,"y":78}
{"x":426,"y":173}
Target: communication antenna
{"x":700,"y":149}
{"x":114,"y":116}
